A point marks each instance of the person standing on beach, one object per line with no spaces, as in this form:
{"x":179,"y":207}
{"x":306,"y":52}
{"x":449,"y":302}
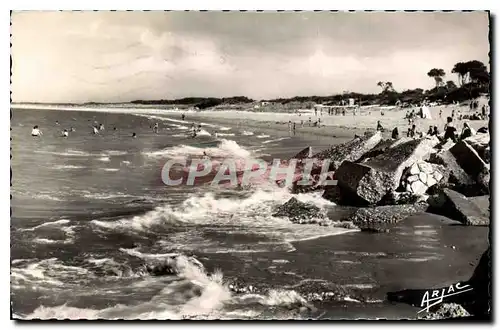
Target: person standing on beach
{"x":440,"y":112}
{"x":289,"y":125}
{"x":293,"y":128}
{"x":315,"y":111}
{"x":310,"y":121}
{"x":449,"y":130}
{"x":395,"y":133}
{"x":155,"y":128}
{"x":183,"y":117}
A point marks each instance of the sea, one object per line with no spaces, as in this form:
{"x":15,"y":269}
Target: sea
{"x":96,"y":233}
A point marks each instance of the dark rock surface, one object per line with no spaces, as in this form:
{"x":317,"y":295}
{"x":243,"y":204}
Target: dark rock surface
{"x":456,"y":206}
{"x":370,"y":181}
{"x":304,"y":153}
{"x":446,"y":311}
{"x":299,"y":212}
{"x":472,"y":163}
{"x":381,"y":218}
{"x":456,"y":174}
{"x":349,"y":151}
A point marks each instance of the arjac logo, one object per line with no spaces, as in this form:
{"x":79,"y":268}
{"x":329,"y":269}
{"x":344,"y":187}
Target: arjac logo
{"x":243,"y":172}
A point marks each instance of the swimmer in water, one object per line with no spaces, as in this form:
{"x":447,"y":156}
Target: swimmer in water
{"x":95,"y":130}
{"x":205,"y":156}
{"x":36,"y":131}
{"x":57,"y":122}
{"x":155,"y":128}
{"x":134,"y":135}
{"x":114,"y":128}
{"x":101,"y":127}
{"x":65,"y":133}
{"x":72,"y":129}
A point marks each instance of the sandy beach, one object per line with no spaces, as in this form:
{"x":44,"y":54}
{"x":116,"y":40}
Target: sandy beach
{"x":340,"y":125}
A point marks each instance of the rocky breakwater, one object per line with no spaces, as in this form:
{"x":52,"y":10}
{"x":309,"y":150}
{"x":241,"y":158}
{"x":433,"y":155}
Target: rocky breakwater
{"x":335,"y":156}
{"x":368,"y":182}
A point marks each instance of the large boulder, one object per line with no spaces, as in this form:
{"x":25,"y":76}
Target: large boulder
{"x":456,"y":173}
{"x":314,"y":183}
{"x":349,"y":151}
{"x":300,"y":212}
{"x":304,"y":154}
{"x":472,"y":163}
{"x":480,"y":142}
{"x":418,"y":178}
{"x":381,"y":218}
{"x":456,"y":206}
{"x":370,"y":181}
{"x":403,"y":197}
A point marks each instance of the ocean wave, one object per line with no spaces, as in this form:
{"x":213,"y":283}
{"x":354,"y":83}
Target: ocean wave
{"x":263,"y":136}
{"x":224,"y":128}
{"x":193,"y":294}
{"x":59,"y":222}
{"x":226,"y":148}
{"x":247,"y":133}
{"x":251,"y":214}
{"x":110,"y":169}
{"x":224,"y":134}
{"x":104,"y":159}
{"x":275,"y":140}
{"x":67,"y":167}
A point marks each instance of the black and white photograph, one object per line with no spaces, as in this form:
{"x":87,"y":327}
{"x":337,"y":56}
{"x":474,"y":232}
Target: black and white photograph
{"x":250,"y":165}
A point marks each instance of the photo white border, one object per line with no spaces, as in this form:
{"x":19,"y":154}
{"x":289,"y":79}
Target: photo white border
{"x":192,"y":5}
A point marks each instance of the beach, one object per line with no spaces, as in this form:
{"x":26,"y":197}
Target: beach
{"x":94,"y":211}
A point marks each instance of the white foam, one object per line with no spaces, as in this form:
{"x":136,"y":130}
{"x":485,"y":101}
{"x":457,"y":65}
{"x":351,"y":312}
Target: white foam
{"x":110,"y":169}
{"x":252,"y":214}
{"x":224,"y":128}
{"x":224,"y":134}
{"x":104,"y":159}
{"x":67,"y":167}
{"x":59,"y":222}
{"x":247,"y":133}
{"x":226,"y":148}
{"x":275,"y":140}
{"x":263,"y":136}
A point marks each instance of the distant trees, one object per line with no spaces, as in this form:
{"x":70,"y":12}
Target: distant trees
{"x":450,"y":85}
{"x":386,"y":86}
{"x":471,"y":72}
{"x":438,"y":75}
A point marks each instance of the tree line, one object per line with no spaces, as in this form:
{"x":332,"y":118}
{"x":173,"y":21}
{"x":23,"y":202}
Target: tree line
{"x":473,"y":80}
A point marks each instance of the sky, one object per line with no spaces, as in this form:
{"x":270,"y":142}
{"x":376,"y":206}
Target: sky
{"x":121,"y":56}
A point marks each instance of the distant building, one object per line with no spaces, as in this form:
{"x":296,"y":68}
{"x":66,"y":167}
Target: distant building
{"x":351,"y":102}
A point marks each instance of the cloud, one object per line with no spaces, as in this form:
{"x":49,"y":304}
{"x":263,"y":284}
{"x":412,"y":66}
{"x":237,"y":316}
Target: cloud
{"x":119,"y":56}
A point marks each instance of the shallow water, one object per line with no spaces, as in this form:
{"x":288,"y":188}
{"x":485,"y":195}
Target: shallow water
{"x":90,"y":211}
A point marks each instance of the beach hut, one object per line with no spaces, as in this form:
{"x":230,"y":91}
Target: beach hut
{"x":426,"y":113}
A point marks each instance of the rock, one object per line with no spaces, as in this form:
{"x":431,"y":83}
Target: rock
{"x":414,"y":169}
{"x":471,"y":162}
{"x":299,"y":212}
{"x":418,"y":187}
{"x":456,"y":174}
{"x":304,"y":153}
{"x":425,"y":167}
{"x":370,"y":181}
{"x":446,"y":311}
{"x":487,"y":155}
{"x":412,"y":178}
{"x":381,"y":147}
{"x":381,"y":218}
{"x":445,"y":145}
{"x":483,"y":203}
{"x":349,"y":151}
{"x":479,"y":142}
{"x":431,"y":181}
{"x":398,"y":198}
{"x":456,"y":206}
{"x":437,"y":176}
{"x":422,"y":177}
